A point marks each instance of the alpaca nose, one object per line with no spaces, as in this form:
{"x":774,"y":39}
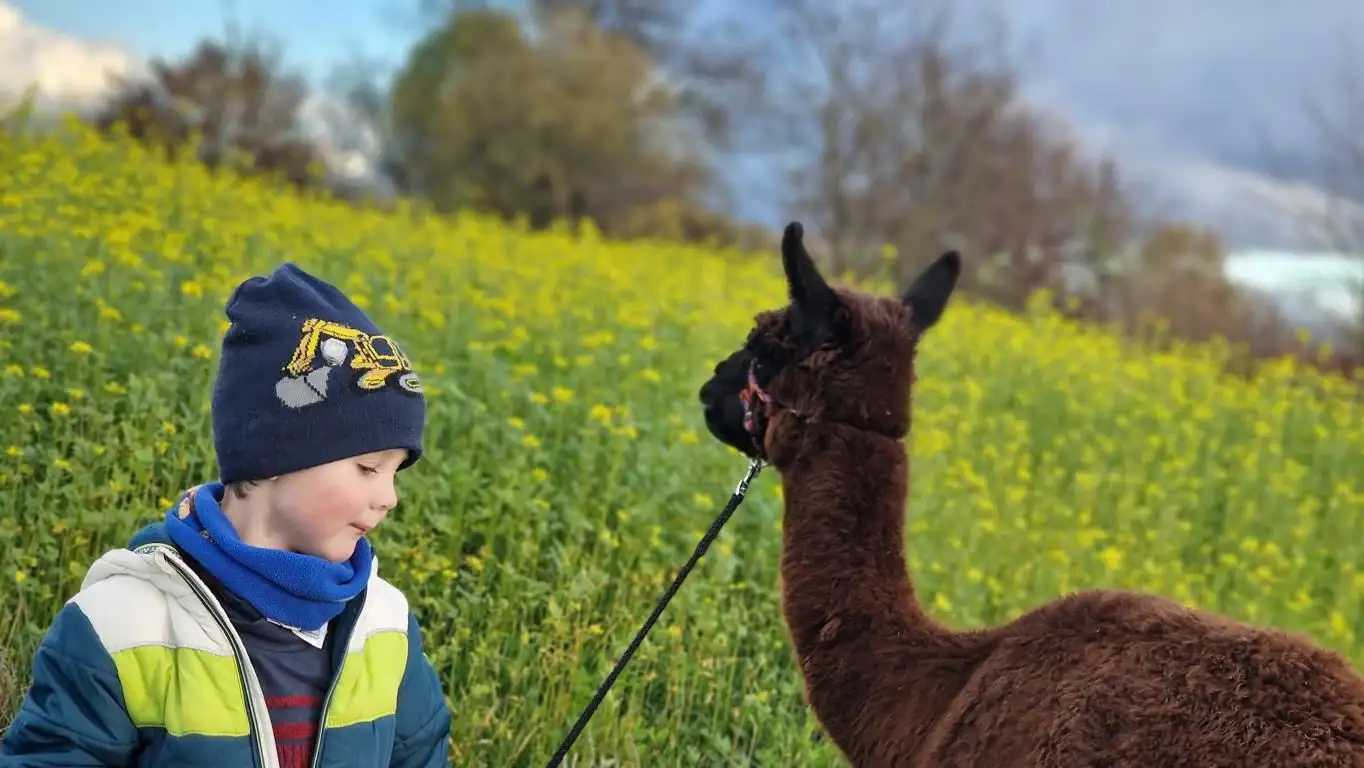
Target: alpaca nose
{"x":704,"y":393}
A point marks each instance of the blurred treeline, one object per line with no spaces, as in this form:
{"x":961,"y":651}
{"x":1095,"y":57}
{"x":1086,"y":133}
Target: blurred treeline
{"x":896,"y":138}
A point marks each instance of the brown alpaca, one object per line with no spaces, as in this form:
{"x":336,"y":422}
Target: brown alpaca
{"x":1099,"y":678}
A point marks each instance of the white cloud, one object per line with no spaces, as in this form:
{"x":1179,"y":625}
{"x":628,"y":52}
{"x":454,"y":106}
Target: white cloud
{"x":1249,"y":208}
{"x":67,"y":72}
{"x":71,"y":73}
{"x":1275,"y":230}
{"x":349,"y":141}
{"x":1270,"y":226}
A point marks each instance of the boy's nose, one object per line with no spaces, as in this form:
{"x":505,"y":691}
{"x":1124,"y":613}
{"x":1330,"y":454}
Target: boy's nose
{"x":387,"y":500}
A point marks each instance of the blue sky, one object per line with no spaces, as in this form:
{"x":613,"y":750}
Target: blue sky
{"x":317,"y":32}
{"x":1202,"y":102}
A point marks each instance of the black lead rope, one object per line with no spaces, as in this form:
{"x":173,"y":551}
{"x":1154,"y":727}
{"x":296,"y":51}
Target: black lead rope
{"x":754,"y":467}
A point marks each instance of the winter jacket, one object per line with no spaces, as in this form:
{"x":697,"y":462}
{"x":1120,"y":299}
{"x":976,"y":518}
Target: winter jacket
{"x":143,"y":668}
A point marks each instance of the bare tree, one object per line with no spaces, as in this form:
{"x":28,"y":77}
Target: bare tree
{"x":1337,"y":116}
{"x":923,"y":143}
{"x":239,"y":99}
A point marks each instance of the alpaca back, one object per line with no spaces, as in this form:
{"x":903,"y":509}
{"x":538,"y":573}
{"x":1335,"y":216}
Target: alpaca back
{"x":1126,"y":679}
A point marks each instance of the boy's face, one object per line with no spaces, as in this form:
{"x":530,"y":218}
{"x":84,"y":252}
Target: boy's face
{"x":325,"y":510}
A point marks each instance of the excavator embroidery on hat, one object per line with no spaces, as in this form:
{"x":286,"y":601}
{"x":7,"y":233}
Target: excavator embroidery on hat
{"x":378,"y":359}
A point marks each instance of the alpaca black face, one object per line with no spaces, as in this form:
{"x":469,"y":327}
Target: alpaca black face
{"x":722,"y":404}
{"x":782,"y":337}
{"x":722,"y":396}
{"x":816,"y":318}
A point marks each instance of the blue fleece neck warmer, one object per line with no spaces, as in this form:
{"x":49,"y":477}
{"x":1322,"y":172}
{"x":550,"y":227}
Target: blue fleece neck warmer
{"x":298,"y":590}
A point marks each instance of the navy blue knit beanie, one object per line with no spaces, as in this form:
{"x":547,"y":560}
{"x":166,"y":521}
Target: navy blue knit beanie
{"x":306,"y":378}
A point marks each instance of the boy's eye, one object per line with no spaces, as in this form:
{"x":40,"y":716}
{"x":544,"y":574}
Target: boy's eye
{"x":368,"y":470}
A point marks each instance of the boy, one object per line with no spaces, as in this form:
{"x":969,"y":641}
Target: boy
{"x":249,"y":628}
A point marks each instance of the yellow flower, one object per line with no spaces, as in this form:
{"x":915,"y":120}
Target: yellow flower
{"x":1045,"y":455}
{"x":1112,"y":558}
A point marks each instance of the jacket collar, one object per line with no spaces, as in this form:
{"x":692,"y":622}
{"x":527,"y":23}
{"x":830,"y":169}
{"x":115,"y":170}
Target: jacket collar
{"x":145,"y":566}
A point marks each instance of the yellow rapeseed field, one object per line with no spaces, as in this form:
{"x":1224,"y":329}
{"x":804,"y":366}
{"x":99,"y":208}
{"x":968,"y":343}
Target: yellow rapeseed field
{"x":568,"y":471}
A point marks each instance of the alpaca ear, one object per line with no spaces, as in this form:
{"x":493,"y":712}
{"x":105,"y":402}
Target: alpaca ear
{"x":813,"y":301}
{"x":927,"y":296}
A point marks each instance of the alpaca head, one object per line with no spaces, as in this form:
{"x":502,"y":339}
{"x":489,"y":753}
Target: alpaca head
{"x":831,"y":354}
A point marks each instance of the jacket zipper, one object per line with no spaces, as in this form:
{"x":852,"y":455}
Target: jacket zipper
{"x":262,"y":731}
{"x":344,"y":641}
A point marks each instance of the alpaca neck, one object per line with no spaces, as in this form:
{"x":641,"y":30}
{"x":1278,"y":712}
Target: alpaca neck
{"x":867,"y":649}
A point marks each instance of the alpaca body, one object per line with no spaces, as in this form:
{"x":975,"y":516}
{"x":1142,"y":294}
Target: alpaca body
{"x":1096,"y":678}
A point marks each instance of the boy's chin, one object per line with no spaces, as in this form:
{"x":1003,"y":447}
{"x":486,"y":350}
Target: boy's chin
{"x":336,"y":551}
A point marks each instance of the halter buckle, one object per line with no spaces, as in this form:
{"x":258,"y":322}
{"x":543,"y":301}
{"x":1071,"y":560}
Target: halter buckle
{"x":750,"y":396}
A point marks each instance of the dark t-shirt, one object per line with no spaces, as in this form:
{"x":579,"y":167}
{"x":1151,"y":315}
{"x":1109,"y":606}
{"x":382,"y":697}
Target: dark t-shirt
{"x":294,"y":674}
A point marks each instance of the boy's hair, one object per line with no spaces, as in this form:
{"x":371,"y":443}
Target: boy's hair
{"x":238,"y":487}
{"x":305,"y":378}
